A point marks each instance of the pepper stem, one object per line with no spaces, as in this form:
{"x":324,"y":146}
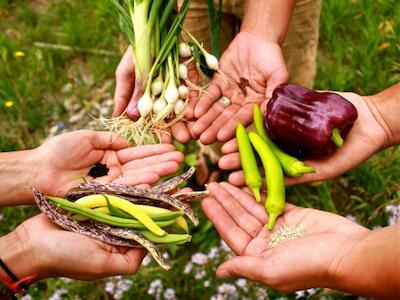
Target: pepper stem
{"x":271,"y":220}
{"x":257,"y":194}
{"x":336,"y":138}
{"x":299,"y":168}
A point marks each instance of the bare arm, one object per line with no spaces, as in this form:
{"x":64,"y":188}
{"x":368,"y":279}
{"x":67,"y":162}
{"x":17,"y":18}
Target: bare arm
{"x":268,"y":18}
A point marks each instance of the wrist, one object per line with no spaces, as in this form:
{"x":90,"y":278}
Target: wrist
{"x":16,"y":253}
{"x":16,"y":175}
{"x":385,"y":107}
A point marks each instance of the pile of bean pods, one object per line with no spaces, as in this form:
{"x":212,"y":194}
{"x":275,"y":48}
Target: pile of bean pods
{"x":126,"y":216}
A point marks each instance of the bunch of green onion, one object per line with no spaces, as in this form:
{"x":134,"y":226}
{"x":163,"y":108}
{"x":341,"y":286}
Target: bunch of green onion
{"x":161,"y":91}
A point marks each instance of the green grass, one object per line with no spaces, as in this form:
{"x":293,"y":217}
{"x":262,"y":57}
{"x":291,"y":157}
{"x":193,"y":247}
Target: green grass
{"x":359,"y":51}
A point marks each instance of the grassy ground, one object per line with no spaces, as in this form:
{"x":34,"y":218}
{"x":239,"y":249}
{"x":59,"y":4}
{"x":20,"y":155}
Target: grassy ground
{"x":359,"y":51}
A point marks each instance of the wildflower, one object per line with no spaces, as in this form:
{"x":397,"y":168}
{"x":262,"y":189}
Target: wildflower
{"x":57,"y":294}
{"x":241,"y":283}
{"x":66,"y":280}
{"x":188,"y":268}
{"x":19,"y":54}
{"x":26,"y":297}
{"x":200,"y":274}
{"x":155,"y":288}
{"x":394,"y":212}
{"x":351,"y":218}
{"x":165,"y":255}
{"x":227,"y":289}
{"x":225,"y":247}
{"x":109,"y":288}
{"x":169,"y":294}
{"x":213,"y":253}
{"x":146,"y":260}
{"x":217,"y":297}
{"x":199,"y":258}
{"x":206,"y":283}
{"x":124,"y":285}
{"x":9,"y":103}
{"x":300,"y":294}
{"x":261,"y":294}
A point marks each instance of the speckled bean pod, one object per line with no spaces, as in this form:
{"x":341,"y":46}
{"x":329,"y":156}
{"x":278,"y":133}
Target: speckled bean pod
{"x":174,"y":182}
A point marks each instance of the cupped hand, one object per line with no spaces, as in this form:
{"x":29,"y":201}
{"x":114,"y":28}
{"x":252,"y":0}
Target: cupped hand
{"x":63,"y":160}
{"x":367,"y":137}
{"x":249,"y":60}
{"x":67,"y":254}
{"x":310,"y":261}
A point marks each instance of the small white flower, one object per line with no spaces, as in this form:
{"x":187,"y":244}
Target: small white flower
{"x":206,"y":283}
{"x":213,"y":253}
{"x":165,"y":255}
{"x":261,"y":293}
{"x":241,"y":283}
{"x":155,"y":288}
{"x":199,"y":258}
{"x":118,"y":295}
{"x":169,"y":294}
{"x":26,"y":297}
{"x":66,"y":280}
{"x":124,"y":284}
{"x":227,"y":289}
{"x":146,"y":260}
{"x":57,"y":294}
{"x":217,"y":297}
{"x":311,"y":291}
{"x":200,"y":274}
{"x":110,"y":287}
{"x":351,"y":218}
{"x":188,"y":268}
{"x":300,"y":294}
{"x":156,"y":283}
{"x":376,"y":227}
{"x":225,"y":247}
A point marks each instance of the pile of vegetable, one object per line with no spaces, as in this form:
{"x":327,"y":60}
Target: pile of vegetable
{"x":161,"y":89}
{"x":125,"y":216}
{"x":306,"y":122}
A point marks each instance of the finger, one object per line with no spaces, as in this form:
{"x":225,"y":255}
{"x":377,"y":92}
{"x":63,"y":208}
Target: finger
{"x":102,"y":140}
{"x":210,"y":134}
{"x":134,"y":179}
{"x":249,"y":267}
{"x":193,"y":75}
{"x":183,"y":191}
{"x":208,"y":118}
{"x":173,"y":156}
{"x":165,"y":138}
{"x":244,"y":116}
{"x":210,"y":96}
{"x":236,"y":238}
{"x":237,"y":178}
{"x":247,"y":201}
{"x":124,"y":264}
{"x":162,"y":169}
{"x":230,"y":147}
{"x":180,"y":132}
{"x":125,"y":79}
{"x":229,"y":161}
{"x":139,"y":152}
{"x":238,"y":213}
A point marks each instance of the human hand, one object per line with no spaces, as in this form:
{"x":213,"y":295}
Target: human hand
{"x":67,"y":254}
{"x":367,"y":137}
{"x":251,"y":58}
{"x":63,"y":160}
{"x":126,"y":87}
{"x":311,"y":261}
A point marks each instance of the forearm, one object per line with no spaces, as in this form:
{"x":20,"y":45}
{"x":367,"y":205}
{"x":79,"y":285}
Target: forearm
{"x":16,"y":176}
{"x":269,"y":19}
{"x":372,"y":267}
{"x":385,"y":107}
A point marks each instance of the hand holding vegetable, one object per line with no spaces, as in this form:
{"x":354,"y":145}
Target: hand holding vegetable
{"x":253,"y":67}
{"x":375,"y":128}
{"x":61,"y":162}
{"x":66,"y":253}
{"x":334,"y":252}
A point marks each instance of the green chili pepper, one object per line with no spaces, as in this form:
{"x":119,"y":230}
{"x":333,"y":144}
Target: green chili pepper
{"x":290,"y":165}
{"x":248,"y":162}
{"x":275,"y":203}
{"x":103,"y":218}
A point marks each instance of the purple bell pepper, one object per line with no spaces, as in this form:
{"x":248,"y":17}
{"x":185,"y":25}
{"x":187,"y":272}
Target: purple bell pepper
{"x":307,"y":123}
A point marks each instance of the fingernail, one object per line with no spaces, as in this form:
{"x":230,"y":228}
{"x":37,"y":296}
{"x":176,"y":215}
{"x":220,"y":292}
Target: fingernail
{"x":222,"y":273}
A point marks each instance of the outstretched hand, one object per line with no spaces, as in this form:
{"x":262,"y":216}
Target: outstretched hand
{"x":63,"y":160}
{"x":310,"y":261}
{"x":365,"y":138}
{"x":250,"y":68}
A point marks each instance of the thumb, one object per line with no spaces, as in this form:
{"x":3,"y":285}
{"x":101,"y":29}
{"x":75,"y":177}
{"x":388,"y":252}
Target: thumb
{"x":277,"y":77}
{"x":242,"y":266}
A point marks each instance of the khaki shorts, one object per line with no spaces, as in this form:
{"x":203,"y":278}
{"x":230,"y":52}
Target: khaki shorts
{"x":299,"y":47}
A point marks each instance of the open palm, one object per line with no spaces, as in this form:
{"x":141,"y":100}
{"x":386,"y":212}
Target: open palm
{"x":365,"y":138}
{"x":65,"y":159}
{"x":310,"y":261}
{"x":250,"y":58}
